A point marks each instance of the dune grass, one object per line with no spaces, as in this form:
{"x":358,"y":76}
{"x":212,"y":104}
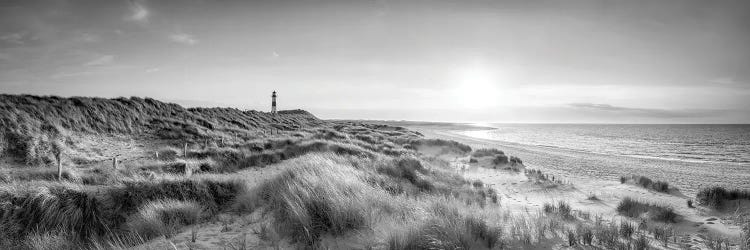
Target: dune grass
{"x":716,"y":197}
{"x":327,"y":194}
{"x":84,"y":215}
{"x":562,"y":209}
{"x":36,"y":128}
{"x":484,"y":152}
{"x":164,"y":217}
{"x":497,"y":158}
{"x":645,"y":182}
{"x":375,"y":185}
{"x":633,"y":208}
{"x":444,"y":146}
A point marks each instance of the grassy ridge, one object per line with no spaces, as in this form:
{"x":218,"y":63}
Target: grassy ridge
{"x":35,"y":128}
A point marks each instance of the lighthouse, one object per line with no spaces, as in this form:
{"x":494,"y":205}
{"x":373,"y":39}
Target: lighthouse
{"x":273,"y":102}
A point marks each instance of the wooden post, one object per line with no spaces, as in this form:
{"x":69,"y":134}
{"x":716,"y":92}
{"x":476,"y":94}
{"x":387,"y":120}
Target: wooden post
{"x":157,"y":155}
{"x":184,"y":151}
{"x":59,"y":166}
{"x":222,"y":141}
{"x":114,"y":162}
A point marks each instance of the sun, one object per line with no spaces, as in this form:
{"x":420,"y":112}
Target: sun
{"x":476,"y":87}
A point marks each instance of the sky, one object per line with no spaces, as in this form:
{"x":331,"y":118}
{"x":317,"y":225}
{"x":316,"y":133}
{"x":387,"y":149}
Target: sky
{"x":547,"y":61}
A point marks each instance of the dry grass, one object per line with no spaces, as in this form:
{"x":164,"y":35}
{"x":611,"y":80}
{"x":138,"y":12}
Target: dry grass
{"x":164,"y":217}
{"x":634,"y":208}
{"x":45,"y":210}
{"x":645,"y":182}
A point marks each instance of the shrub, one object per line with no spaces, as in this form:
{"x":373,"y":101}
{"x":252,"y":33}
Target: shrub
{"x":645,"y":182}
{"x":571,"y":238}
{"x":446,"y":146}
{"x":714,"y":197}
{"x":448,"y":231}
{"x":477,"y":184}
{"x":315,"y":198}
{"x":690,"y":203}
{"x":626,"y":229}
{"x":660,"y":186}
{"x":515,"y":160}
{"x":548,"y":208}
{"x":633,"y":208}
{"x":563,"y":209}
{"x":606,"y":235}
{"x":214,"y":195}
{"x":164,"y":217}
{"x":585,"y":234}
{"x":640,"y":243}
{"x":484,"y":152}
{"x":52,"y":209}
{"x":500,"y":159}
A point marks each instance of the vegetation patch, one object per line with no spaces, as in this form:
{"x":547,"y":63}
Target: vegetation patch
{"x":716,"y":197}
{"x":634,"y":208}
{"x":164,"y":217}
{"x":496,"y":158}
{"x":645,"y":182}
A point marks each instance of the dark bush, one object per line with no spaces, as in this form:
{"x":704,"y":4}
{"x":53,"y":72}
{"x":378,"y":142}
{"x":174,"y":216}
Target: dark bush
{"x":715,"y":197}
{"x":484,"y":152}
{"x":500,"y":159}
{"x":645,"y":182}
{"x":633,"y":208}
{"x":626,"y":229}
{"x":660,"y":186}
{"x":478,"y":184}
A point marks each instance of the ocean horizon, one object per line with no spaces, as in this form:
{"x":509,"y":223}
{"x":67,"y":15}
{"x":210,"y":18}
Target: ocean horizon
{"x":703,"y":143}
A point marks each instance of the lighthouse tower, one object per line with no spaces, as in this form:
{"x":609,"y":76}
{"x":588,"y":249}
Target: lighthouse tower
{"x":273,"y":102}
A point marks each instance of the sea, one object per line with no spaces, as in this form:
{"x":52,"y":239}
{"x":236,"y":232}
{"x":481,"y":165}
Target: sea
{"x":678,"y":142}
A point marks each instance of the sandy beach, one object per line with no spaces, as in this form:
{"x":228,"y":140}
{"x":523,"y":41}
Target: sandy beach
{"x":689,"y":177}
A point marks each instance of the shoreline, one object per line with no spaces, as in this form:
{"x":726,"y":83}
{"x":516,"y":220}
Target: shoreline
{"x":459,"y":133}
{"x":689,"y":177}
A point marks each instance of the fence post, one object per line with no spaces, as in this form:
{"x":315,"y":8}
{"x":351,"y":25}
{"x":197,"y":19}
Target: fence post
{"x":184,"y":151}
{"x":59,"y":166}
{"x":114,"y":162}
{"x":157,"y":155}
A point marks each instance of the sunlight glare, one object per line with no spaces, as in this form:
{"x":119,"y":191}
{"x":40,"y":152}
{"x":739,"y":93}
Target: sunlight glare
{"x":476,"y":87}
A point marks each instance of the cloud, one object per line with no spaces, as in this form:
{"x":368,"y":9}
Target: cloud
{"x":724,"y":80}
{"x":88,"y":38}
{"x":5,"y":56}
{"x":662,"y":113}
{"x":183,"y":38}
{"x":61,"y":75}
{"x":139,"y":12}
{"x":102,"y":60}
{"x":13,"y":38}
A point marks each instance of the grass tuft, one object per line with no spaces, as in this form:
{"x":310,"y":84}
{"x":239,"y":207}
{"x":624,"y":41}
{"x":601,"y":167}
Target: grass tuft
{"x":715,"y":197}
{"x":633,"y":208}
